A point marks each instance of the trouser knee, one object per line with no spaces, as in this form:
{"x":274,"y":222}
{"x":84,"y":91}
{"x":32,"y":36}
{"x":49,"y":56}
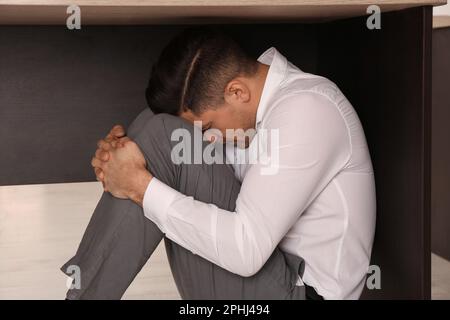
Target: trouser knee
{"x":152,"y":134}
{"x":173,"y":147}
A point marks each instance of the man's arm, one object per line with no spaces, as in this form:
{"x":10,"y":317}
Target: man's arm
{"x":314,"y":146}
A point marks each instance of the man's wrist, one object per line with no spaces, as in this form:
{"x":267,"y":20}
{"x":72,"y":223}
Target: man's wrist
{"x":137,"y":194}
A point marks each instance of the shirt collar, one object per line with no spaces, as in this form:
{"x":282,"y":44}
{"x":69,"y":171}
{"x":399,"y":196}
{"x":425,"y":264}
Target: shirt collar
{"x":275,"y":75}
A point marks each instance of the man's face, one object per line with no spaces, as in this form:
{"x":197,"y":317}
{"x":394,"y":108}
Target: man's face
{"x":237,"y":113}
{"x":223,"y":118}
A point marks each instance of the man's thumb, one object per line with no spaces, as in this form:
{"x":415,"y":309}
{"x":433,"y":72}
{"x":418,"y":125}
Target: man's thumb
{"x":118,"y":131}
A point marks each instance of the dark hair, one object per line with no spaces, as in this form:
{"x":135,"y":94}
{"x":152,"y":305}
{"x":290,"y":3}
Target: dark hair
{"x":193,"y":69}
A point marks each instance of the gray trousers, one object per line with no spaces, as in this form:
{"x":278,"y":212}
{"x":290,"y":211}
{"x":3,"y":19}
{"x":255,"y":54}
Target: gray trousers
{"x":119,"y":239}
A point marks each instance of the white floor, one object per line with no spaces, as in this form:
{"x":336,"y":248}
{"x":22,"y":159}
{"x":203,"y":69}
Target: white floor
{"x":41,"y":226}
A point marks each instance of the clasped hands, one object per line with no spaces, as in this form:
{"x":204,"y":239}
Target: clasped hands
{"x":121,"y":167}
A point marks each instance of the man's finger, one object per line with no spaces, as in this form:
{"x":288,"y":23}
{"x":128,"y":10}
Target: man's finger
{"x":102,"y":155}
{"x":109,"y":137}
{"x":121,"y":142}
{"x":97,"y":153}
{"x":114,"y":143}
{"x":118,"y":131}
{"x":103,"y":144}
{"x":99,"y":174}
{"x":96,"y":163}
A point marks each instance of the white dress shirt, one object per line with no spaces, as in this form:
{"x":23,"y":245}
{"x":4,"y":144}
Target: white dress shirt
{"x":320,"y":204}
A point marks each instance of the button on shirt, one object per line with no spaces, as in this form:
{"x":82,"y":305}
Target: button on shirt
{"x":319,"y":205}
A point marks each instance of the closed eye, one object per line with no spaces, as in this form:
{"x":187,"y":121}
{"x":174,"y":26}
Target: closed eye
{"x":206,"y":127}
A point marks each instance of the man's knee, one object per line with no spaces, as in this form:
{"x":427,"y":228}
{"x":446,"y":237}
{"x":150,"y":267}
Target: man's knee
{"x":166,"y":133}
{"x":147,"y":123}
{"x":152,"y":133}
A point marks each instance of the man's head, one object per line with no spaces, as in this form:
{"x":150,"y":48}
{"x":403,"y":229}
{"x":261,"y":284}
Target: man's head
{"x":203,"y":75}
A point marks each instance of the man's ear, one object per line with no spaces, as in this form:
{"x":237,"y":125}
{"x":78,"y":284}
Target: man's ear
{"x":237,"y":91}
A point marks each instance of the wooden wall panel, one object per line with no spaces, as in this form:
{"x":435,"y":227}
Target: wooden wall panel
{"x":386,"y":74}
{"x":440,"y":183}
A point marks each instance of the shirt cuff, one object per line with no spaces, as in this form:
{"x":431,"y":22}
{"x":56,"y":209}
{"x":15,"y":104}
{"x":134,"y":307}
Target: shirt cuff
{"x":158,"y":198}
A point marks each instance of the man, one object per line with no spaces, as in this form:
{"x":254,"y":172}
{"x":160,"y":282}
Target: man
{"x":310,"y":221}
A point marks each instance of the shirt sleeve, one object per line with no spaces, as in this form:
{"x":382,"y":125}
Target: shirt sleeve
{"x":309,"y":144}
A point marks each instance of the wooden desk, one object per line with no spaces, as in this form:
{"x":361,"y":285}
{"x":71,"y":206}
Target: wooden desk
{"x":441,"y":22}
{"x":100,"y":12}
{"x":440,"y":187}
{"x":61,"y":90}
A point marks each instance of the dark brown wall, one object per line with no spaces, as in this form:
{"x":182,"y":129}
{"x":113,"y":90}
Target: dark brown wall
{"x":386,"y":75}
{"x":61,"y":90}
{"x":440,"y":198}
